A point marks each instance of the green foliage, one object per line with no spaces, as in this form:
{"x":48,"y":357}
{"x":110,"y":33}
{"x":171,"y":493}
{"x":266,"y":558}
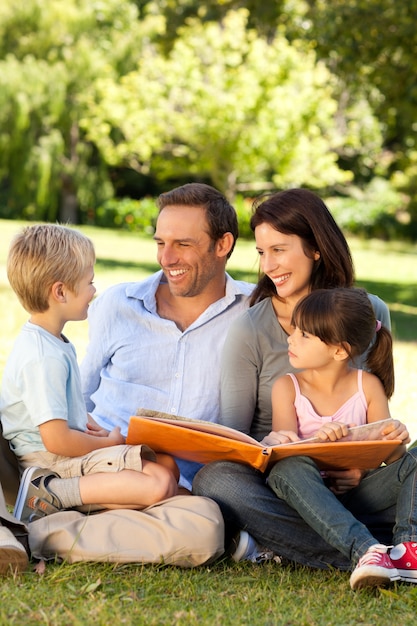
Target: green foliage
{"x":127,"y":214}
{"x":51,"y":52}
{"x":378,"y":211}
{"x":223,"y":105}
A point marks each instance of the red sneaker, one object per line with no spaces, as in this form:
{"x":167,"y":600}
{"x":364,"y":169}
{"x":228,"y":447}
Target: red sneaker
{"x":374,"y":569}
{"x":404,"y":558}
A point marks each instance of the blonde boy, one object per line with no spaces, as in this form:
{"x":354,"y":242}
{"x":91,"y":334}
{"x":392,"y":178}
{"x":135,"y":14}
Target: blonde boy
{"x":51,"y":269}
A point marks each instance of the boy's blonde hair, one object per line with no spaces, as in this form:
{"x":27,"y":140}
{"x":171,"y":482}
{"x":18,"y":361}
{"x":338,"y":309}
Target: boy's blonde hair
{"x":42,"y":255}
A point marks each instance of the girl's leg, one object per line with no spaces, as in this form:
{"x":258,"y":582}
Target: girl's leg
{"x":297,"y":480}
{"x":394,"y":484}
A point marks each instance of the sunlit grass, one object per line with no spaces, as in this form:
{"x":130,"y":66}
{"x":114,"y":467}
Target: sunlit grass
{"x":224,"y":593}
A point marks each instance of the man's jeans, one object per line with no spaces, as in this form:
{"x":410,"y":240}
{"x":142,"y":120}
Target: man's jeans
{"x":248,"y":503}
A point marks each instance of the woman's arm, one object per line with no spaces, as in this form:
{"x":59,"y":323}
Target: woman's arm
{"x":239,"y":376}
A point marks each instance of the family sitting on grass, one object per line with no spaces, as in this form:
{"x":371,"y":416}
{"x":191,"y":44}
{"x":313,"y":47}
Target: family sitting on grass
{"x":190,"y":340}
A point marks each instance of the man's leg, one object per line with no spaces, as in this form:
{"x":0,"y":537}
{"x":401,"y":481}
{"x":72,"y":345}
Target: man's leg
{"x":248,"y":503}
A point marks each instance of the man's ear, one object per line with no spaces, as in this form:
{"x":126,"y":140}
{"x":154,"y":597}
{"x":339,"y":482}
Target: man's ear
{"x":342,"y":352}
{"x":58,"y":292}
{"x":224,"y":244}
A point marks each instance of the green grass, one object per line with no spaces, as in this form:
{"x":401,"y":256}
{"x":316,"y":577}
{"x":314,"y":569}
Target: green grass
{"x":223,"y":593}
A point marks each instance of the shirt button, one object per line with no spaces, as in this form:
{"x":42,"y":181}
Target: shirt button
{"x":177,"y":374}
{"x":173,"y":410}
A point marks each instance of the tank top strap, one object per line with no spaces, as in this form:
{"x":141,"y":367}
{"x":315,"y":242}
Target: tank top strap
{"x":295,"y":382}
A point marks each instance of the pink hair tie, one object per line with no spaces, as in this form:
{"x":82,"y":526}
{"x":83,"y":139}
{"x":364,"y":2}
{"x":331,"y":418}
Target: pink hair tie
{"x":378,"y":326}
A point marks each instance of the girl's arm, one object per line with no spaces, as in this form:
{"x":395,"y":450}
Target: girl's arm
{"x":378,"y":409}
{"x":284,"y":416}
{"x":58,"y":438}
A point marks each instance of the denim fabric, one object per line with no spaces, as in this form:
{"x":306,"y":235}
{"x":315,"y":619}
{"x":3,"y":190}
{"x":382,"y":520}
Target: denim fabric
{"x":298,"y":482}
{"x":248,"y":503}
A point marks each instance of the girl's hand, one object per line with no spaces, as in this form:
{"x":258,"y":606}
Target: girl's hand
{"x":396,"y":430}
{"x":332,"y":431}
{"x":277,"y":437}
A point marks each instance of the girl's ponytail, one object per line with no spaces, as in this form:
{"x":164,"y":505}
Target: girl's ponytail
{"x":380,"y":359}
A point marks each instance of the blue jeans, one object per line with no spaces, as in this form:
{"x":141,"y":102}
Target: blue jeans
{"x":248,"y":503}
{"x":297,"y":480}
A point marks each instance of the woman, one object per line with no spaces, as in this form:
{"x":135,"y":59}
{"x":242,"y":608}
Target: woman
{"x":301,"y":248}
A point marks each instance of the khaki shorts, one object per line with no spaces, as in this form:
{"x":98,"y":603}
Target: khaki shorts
{"x":112,"y":459}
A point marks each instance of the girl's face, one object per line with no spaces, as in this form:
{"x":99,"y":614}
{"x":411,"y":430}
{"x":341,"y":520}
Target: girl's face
{"x":308,"y":351}
{"x":283,"y":260}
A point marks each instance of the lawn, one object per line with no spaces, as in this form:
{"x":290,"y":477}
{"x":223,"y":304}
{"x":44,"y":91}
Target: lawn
{"x":223,"y":593}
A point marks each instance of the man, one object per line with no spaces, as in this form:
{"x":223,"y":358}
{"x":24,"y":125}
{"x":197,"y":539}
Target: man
{"x":156,"y":344}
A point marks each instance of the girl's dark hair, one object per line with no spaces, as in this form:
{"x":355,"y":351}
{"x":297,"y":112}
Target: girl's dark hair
{"x":346,"y":316}
{"x":301,"y":212}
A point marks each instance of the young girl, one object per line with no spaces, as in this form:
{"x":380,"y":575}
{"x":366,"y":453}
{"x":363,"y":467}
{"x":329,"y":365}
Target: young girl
{"x":331,"y":328}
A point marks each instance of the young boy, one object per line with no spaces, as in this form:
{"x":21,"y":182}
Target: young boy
{"x":51,"y":269}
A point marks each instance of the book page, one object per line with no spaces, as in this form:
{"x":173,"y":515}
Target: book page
{"x":200,"y":425}
{"x":366,"y":432}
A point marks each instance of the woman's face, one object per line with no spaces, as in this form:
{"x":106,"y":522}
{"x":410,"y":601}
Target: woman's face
{"x":283,"y":260}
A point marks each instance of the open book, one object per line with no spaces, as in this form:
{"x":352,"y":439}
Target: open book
{"x":202,"y":441}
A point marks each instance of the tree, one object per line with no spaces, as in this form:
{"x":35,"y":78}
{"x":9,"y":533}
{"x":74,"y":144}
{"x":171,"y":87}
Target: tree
{"x":223,"y":105}
{"x":51,"y":53}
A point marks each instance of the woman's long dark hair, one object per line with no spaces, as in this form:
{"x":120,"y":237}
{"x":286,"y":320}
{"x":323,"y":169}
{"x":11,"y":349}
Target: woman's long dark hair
{"x":301,"y":212}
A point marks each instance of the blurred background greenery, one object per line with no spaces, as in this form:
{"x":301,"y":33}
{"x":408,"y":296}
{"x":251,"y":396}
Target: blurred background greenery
{"x":106,"y":103}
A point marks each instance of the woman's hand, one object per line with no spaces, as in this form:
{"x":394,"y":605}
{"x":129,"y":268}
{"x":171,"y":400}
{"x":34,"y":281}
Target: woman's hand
{"x":341,"y":481}
{"x":277,"y":437}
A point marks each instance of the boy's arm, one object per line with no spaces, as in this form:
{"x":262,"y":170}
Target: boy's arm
{"x":59,"y":439}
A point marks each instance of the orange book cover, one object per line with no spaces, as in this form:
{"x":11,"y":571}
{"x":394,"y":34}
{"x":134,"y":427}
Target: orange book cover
{"x":204,"y":442}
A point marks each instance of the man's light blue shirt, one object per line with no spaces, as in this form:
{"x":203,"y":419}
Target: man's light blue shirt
{"x":136,"y":359}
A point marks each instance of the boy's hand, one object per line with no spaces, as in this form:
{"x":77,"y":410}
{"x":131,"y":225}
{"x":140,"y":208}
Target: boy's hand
{"x":94,"y":429}
{"x":116,"y":437}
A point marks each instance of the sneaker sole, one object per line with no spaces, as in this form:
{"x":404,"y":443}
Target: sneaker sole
{"x":407,"y":576}
{"x":13,"y":560}
{"x":23,"y":487}
{"x":373,"y":579}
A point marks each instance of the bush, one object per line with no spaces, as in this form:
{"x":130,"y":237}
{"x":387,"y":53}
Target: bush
{"x":377,"y":212}
{"x":128,"y":214}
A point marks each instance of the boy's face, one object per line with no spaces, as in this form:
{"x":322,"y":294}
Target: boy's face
{"x":78,"y":303}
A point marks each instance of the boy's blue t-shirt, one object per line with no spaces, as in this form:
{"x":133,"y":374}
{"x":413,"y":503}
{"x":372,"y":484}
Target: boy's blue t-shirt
{"x":41,"y":382}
